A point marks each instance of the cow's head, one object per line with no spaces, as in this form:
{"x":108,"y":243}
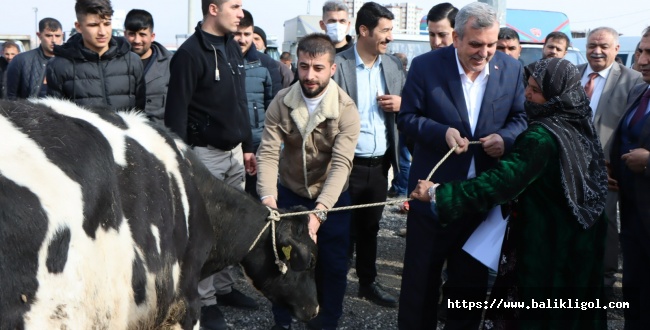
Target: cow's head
{"x":296,"y":289}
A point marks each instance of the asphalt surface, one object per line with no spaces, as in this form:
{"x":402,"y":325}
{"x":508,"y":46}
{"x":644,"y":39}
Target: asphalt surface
{"x":360,"y":313}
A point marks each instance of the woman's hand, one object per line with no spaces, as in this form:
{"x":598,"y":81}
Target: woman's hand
{"x":421,"y":191}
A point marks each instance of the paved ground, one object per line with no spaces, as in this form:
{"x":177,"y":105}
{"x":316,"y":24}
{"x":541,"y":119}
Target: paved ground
{"x":359,"y":313}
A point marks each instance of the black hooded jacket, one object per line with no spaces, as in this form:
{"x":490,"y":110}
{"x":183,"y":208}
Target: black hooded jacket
{"x":206,"y":98}
{"x":115,"y":79}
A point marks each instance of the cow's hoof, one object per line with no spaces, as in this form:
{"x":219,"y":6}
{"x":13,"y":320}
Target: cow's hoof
{"x":315,"y":324}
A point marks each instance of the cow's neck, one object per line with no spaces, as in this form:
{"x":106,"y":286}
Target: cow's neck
{"x":236,"y":218}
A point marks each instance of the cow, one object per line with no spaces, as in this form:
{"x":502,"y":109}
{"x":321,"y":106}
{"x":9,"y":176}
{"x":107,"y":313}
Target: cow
{"x":108,"y":222}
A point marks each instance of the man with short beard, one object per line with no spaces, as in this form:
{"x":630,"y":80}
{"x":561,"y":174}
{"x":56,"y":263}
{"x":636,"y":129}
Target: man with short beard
{"x":26,"y":73}
{"x":263,"y":82}
{"x":607,"y":85}
{"x":318,"y":125}
{"x":138,"y":30}
{"x":374,"y":80}
{"x":630,"y":157}
{"x":556,"y":44}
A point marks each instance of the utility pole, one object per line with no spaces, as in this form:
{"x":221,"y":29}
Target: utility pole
{"x":35,"y":27}
{"x":190,"y":20}
{"x":500,"y":7}
{"x":308,"y":6}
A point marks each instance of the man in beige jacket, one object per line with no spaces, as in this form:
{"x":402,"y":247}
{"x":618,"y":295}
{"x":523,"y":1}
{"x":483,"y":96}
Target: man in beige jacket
{"x":318,"y":124}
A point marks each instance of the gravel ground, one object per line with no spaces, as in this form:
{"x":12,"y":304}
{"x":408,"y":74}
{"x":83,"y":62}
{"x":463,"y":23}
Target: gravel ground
{"x":360,"y":313}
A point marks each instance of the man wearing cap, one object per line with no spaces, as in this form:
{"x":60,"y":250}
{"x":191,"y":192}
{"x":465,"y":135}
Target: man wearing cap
{"x":259,"y":39}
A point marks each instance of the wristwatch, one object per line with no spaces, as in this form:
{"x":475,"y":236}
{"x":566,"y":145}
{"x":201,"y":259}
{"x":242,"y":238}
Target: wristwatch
{"x":321,"y":215}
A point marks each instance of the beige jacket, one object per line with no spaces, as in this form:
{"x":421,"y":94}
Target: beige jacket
{"x":318,"y":150}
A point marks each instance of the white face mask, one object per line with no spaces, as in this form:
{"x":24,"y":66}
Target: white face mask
{"x":336,"y":31}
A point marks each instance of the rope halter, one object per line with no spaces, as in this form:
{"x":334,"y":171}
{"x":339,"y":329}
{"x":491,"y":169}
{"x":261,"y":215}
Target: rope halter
{"x":274,"y":216}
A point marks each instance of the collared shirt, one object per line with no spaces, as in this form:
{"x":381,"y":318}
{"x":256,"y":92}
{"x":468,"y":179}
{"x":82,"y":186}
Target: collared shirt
{"x":473,"y":92}
{"x":599,"y":85}
{"x":631,"y":114}
{"x":370,"y":84}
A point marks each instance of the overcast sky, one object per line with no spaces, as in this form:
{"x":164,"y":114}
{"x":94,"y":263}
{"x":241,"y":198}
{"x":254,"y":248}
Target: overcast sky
{"x":629,"y":17}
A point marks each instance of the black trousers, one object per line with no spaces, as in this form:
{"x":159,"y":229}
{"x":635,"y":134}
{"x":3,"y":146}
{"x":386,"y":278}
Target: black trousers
{"x":428,"y":245}
{"x":635,"y":243}
{"x":368,"y":184}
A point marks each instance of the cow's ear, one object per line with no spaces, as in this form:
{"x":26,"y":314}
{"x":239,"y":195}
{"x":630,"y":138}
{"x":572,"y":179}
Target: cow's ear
{"x":294,"y":245}
{"x":299,"y":255}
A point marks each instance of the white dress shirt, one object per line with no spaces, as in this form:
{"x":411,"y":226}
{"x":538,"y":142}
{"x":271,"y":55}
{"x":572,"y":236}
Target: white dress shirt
{"x":599,"y":85}
{"x":473,"y":92}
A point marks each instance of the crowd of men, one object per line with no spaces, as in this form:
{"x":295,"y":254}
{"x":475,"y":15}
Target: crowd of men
{"x":345,"y":112}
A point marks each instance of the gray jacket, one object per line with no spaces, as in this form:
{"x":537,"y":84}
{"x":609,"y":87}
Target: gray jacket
{"x":611,"y":106}
{"x":393,"y":71}
{"x":156,"y":77}
{"x":25,"y":74}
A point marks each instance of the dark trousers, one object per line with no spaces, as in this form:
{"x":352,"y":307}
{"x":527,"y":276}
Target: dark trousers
{"x":367,"y":185}
{"x":611,"y":242}
{"x":251,"y":185}
{"x":428,"y":245}
{"x":468,"y":280}
{"x":331,"y":266}
{"x":635,"y":243}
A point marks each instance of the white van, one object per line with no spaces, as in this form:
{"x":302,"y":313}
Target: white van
{"x":533,"y":52}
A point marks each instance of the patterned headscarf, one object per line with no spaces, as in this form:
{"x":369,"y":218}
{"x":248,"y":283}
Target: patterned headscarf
{"x":567,"y":115}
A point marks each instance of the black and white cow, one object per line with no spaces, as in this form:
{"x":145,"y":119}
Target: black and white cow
{"x":107,"y":222}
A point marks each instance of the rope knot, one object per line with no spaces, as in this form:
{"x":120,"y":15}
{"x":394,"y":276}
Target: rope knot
{"x":274,"y":215}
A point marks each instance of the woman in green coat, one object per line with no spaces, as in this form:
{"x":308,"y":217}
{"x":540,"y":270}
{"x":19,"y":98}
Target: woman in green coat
{"x":555,"y":182}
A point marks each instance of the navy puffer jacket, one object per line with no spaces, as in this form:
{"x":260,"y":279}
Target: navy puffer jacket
{"x":25,"y":74}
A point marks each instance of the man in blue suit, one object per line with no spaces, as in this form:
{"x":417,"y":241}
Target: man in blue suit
{"x":467,"y":91}
{"x":630,"y":166}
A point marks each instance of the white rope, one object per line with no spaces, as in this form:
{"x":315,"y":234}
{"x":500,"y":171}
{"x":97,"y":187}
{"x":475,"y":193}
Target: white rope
{"x":398,"y":201}
{"x":274,"y":216}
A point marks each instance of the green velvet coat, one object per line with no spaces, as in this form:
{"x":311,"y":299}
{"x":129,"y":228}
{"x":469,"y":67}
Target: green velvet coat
{"x":546,"y":254}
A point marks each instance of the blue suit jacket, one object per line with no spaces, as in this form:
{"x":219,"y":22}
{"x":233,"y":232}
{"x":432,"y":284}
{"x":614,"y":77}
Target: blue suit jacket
{"x":642,"y":181}
{"x":433,"y":101}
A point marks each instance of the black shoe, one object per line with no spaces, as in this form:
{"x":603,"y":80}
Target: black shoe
{"x":376,"y":293}
{"x":212,"y":318}
{"x":237,"y":299}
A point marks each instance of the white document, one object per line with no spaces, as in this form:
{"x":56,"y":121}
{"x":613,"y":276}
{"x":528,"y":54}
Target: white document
{"x":485,"y":243}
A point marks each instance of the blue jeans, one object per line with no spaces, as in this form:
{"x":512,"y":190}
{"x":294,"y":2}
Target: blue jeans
{"x":332,"y":263}
{"x":400,"y":179}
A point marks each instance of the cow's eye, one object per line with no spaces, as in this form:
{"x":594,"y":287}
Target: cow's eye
{"x":312,"y":262}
